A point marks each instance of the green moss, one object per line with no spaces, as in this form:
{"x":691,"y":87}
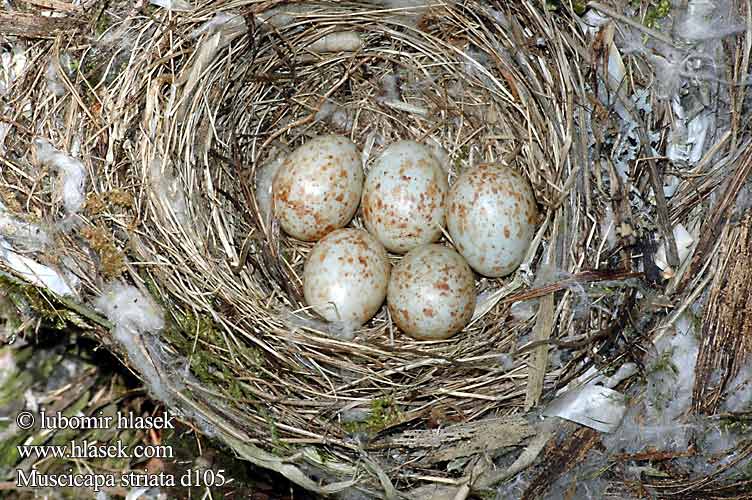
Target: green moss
{"x":656,"y":12}
{"x":579,"y":6}
{"x":9,"y":452}
{"x":13,"y":388}
{"x":253,"y":355}
{"x":56,"y":318}
{"x":151,"y":286}
{"x":103,"y":23}
{"x":664,"y":364}
{"x":384,"y":413}
{"x":57,"y":313}
{"x":462,"y":155}
{"x":61,"y":436}
{"x":213,"y":372}
{"x":203,"y":366}
{"x":735,"y":425}
{"x":487,"y":494}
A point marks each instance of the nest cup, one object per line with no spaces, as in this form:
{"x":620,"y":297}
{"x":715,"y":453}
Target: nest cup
{"x":200,"y":106}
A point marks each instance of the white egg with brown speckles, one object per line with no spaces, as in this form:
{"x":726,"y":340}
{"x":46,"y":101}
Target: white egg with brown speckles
{"x":431,"y":293}
{"x":404,"y":197}
{"x":345,"y":276}
{"x":318,"y":187}
{"x":491,"y":217}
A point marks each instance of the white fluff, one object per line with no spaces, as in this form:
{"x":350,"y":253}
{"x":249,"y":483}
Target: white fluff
{"x":668,"y":66}
{"x":658,"y":419}
{"x":335,"y":115}
{"x":671,"y":389}
{"x":702,"y":24}
{"x":4,"y":129}
{"x":341,"y":330}
{"x":137,"y":322}
{"x":506,"y":361}
{"x":176,"y":5}
{"x":7,"y":365}
{"x":32,"y":271}
{"x":169,"y":190}
{"x":608,"y":228}
{"x":523,"y":310}
{"x":23,"y":235}
{"x":739,"y":391}
{"x":264,"y":178}
{"x":53,"y":80}
{"x":343,"y":41}
{"x":708,"y":20}
{"x":684,"y":242}
{"x":128,"y":308}
{"x":135,"y":315}
{"x":13,"y":66}
{"x":70,"y":171}
{"x":228,"y":25}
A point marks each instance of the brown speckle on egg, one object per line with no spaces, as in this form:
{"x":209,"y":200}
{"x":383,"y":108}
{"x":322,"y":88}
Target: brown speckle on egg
{"x":405,"y":194}
{"x":492,"y":218}
{"x":432,"y":303}
{"x":345,"y":277}
{"x":309,"y":202}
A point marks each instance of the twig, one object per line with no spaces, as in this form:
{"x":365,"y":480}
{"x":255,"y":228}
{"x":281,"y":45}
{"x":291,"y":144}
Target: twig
{"x":544,"y":326}
{"x":31,"y":26}
{"x":664,"y":219}
{"x":579,"y":278}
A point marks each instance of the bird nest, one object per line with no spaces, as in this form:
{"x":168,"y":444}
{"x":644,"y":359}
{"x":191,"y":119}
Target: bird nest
{"x":175,"y":116}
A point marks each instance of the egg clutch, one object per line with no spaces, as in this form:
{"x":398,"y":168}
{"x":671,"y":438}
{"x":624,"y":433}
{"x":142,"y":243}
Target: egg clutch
{"x":406,"y":202}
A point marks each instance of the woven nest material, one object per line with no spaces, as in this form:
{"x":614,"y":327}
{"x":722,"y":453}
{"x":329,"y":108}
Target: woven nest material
{"x":174,"y":114}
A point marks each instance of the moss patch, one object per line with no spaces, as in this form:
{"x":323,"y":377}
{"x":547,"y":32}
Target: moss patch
{"x":111,"y":259}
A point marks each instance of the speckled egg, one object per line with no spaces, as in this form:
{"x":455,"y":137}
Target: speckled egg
{"x":404,"y":197}
{"x":317,"y":189}
{"x":431,"y":293}
{"x":345,"y":277}
{"x":491,"y":217}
